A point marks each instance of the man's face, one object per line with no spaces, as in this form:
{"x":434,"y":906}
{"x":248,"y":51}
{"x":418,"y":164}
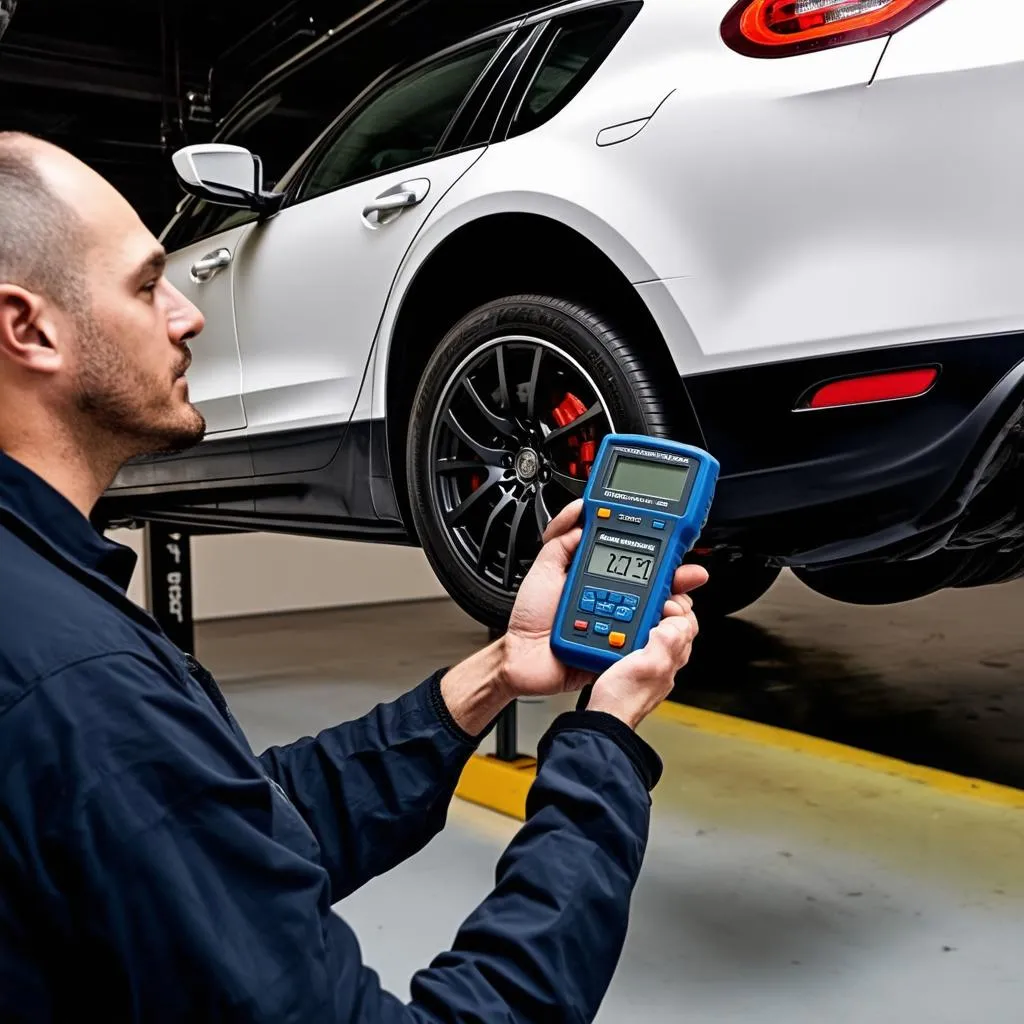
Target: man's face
{"x":130,"y":351}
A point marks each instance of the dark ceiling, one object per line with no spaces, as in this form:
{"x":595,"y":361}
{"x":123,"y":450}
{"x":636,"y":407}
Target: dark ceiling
{"x":122,"y":83}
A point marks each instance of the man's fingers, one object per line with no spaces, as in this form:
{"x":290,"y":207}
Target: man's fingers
{"x":562,"y":537}
{"x":564,"y":521}
{"x":668,"y":646}
{"x":676,"y":633}
{"x":689,"y":577}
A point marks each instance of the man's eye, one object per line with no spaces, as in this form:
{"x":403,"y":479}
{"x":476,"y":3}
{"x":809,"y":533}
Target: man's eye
{"x":151,"y":286}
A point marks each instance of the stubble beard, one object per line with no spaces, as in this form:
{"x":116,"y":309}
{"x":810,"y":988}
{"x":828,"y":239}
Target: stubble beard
{"x":132,"y":413}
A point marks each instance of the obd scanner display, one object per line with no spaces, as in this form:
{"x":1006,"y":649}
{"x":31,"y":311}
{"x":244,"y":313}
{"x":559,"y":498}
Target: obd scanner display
{"x":644,"y":507}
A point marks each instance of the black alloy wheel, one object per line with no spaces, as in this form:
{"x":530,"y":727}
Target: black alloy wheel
{"x":505,"y":426}
{"x":511,"y":444}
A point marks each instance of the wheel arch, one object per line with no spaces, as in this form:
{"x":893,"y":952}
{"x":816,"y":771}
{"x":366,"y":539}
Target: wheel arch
{"x":464,"y":269}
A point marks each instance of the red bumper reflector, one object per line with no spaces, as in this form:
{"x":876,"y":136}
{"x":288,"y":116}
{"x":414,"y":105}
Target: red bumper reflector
{"x":781,"y":28}
{"x":876,"y":387}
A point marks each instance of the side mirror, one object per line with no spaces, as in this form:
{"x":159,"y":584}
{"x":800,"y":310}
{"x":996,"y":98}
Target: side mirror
{"x":224,"y":175}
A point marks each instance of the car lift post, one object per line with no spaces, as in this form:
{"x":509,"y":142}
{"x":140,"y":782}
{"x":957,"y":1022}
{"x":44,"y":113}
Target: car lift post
{"x":169,"y":572}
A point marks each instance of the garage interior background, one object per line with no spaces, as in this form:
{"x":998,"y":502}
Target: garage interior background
{"x":122,"y":84}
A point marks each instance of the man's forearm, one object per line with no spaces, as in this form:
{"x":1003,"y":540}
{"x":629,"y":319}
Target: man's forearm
{"x":474,"y":690}
{"x":375,"y":790}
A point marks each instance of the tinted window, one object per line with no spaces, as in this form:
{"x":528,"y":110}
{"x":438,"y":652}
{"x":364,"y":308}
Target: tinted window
{"x":201,"y":219}
{"x":401,"y":125}
{"x":574,"y":52}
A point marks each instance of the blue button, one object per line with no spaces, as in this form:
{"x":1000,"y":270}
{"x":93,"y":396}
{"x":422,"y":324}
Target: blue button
{"x":588,"y":594}
{"x":602,"y":628}
{"x":587,"y":604}
{"x":602,"y":595}
{"x":624,"y":614}
{"x":605,"y":608}
{"x":631,"y":601}
{"x":658,"y":524}
{"x":615,"y":598}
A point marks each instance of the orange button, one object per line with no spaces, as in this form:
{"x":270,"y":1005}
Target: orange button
{"x":604,"y":513}
{"x":617,"y":639}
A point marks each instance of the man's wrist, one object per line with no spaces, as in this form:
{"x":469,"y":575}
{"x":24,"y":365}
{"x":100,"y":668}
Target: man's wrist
{"x":476,"y":691}
{"x":629,"y":714}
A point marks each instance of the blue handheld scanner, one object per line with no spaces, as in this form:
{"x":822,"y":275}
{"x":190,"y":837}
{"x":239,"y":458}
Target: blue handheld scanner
{"x":646,"y":502}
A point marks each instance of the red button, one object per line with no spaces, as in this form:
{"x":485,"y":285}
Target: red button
{"x":581,"y":625}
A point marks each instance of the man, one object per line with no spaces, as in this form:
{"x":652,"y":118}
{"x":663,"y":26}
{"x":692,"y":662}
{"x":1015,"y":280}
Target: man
{"x":152,"y":868}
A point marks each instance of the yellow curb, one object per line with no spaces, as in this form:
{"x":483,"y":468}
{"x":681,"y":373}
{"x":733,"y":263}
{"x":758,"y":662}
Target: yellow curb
{"x":500,"y":785}
{"x":785,"y":739}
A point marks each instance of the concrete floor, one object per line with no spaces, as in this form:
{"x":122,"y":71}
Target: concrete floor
{"x":778,"y":886}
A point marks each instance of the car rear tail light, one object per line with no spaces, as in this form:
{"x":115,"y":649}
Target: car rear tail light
{"x":783,"y":28}
{"x":874,"y":387}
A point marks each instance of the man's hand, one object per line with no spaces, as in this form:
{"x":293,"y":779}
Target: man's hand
{"x":531,"y":669}
{"x":522,"y":664}
{"x":631,"y":689}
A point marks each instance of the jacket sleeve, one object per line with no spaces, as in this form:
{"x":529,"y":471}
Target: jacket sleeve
{"x":195,"y":893}
{"x":375,"y":790}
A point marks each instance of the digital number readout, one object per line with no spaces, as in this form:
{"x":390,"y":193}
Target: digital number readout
{"x":620,"y":565}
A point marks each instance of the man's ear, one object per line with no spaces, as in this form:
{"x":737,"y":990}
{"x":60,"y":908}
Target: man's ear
{"x":30,"y":331}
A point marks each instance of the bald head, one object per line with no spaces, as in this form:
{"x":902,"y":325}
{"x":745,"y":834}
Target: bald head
{"x":43,"y":240}
{"x":93,"y":336}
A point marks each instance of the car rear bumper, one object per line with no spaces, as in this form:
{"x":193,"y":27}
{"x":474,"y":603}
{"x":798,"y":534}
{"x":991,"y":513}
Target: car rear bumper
{"x":887,"y":478}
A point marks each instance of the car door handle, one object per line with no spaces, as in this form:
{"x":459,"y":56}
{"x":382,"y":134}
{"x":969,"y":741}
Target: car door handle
{"x":389,"y":204}
{"x":204,"y":269}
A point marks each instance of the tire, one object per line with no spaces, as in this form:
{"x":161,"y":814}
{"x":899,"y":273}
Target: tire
{"x":461,"y":453}
{"x":885,"y":582}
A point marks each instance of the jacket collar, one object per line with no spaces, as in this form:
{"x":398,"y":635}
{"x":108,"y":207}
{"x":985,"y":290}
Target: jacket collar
{"x":33,"y":503}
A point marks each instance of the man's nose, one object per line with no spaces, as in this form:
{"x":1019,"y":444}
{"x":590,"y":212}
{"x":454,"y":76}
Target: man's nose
{"x":185,"y":320}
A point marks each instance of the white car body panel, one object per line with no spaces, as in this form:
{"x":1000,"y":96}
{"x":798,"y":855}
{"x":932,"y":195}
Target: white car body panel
{"x":310,"y":286}
{"x":215,"y":380}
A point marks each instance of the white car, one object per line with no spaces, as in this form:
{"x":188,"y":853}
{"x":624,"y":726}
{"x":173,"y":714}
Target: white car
{"x":789,"y":231}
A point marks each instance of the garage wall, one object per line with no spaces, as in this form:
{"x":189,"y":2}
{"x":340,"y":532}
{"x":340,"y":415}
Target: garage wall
{"x":257,"y":573}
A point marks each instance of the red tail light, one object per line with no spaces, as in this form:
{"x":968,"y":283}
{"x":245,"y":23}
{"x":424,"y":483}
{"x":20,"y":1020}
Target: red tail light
{"x":783,"y":28}
{"x":875,"y":387}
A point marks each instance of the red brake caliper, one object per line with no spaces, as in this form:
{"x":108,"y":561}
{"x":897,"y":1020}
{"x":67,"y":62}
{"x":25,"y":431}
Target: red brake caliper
{"x":584,"y":448}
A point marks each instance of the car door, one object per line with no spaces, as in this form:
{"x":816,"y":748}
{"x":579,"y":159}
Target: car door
{"x":201,"y":270}
{"x":311,"y":283}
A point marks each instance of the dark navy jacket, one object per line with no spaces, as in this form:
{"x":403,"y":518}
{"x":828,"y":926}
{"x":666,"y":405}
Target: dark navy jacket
{"x":153,"y":868}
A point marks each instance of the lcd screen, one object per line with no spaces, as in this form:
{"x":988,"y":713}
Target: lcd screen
{"x":620,"y":564}
{"x":651,"y":479}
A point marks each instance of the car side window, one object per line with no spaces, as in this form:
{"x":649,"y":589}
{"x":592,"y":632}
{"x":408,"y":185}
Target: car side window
{"x":574,"y":51}
{"x":202,"y":219}
{"x":402,"y":125}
